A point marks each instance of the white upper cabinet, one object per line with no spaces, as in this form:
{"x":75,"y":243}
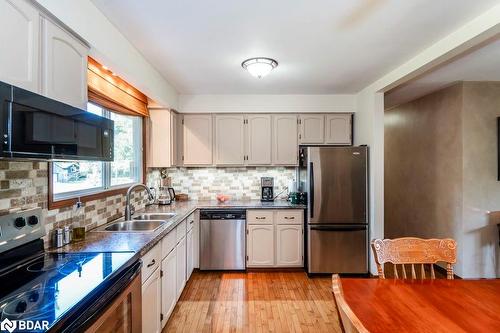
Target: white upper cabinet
{"x":285,"y":145}
{"x":312,"y":128}
{"x":159,"y":138}
{"x":197,"y":139}
{"x":20,"y":40}
{"x":64,"y":75}
{"x":338,"y":129}
{"x":179,"y":139}
{"x":229,"y":139}
{"x":258,"y":139}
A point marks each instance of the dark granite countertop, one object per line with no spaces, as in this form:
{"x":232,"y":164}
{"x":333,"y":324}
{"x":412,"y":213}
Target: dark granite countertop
{"x":142,"y":242}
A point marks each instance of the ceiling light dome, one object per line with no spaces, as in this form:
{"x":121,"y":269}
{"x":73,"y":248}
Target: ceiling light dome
{"x":259,"y":67}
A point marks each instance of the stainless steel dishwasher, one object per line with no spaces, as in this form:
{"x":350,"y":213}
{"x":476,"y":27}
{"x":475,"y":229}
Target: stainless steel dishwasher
{"x":222,"y":239}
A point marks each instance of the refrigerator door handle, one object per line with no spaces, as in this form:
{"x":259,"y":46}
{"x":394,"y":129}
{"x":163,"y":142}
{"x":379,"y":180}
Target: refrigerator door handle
{"x":311,"y":188}
{"x":339,"y":227}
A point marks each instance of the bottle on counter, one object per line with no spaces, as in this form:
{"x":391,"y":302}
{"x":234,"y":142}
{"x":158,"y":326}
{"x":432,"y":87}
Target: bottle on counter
{"x":77,"y":223}
{"x":77,"y":215}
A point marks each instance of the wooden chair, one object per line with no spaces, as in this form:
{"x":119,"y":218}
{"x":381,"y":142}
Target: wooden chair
{"x":348,"y":319}
{"x":414,"y":251}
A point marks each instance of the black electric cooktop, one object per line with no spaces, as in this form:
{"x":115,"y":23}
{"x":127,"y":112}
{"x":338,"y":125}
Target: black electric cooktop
{"x":48,"y":286}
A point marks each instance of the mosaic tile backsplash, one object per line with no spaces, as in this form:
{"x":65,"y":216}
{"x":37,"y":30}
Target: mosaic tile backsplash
{"x":24,"y":185}
{"x":241,"y":183}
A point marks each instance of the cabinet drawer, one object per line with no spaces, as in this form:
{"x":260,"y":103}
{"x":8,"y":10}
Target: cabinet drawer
{"x":289,"y":216}
{"x":168,"y":243}
{"x":260,"y":216}
{"x":180,"y":230}
{"x":150,"y":262}
{"x":190,"y":221}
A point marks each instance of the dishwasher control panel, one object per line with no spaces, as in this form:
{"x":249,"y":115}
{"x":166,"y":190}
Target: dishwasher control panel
{"x":222,"y":214}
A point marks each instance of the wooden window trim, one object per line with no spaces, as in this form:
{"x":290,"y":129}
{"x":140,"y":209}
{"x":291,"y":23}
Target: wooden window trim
{"x":114,"y":93}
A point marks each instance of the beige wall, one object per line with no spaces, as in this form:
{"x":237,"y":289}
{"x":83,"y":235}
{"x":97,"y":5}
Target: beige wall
{"x":440,"y":172}
{"x":481,"y":195}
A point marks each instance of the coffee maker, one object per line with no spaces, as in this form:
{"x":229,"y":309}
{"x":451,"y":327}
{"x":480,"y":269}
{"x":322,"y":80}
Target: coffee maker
{"x":267,"y":188}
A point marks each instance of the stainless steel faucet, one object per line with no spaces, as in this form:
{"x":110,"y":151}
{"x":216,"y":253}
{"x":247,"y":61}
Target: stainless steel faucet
{"x":128,"y":206}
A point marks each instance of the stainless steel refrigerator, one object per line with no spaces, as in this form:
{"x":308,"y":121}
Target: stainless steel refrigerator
{"x":336,"y":182}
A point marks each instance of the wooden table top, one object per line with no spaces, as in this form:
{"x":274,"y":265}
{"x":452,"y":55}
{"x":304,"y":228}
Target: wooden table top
{"x":425,"y":305}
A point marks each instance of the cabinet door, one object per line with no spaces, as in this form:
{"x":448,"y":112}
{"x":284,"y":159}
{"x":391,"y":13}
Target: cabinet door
{"x":289,"y":245}
{"x":312,"y":128}
{"x":285,"y":145}
{"x":159,"y":138}
{"x":196,"y":240}
{"x":339,"y":129}
{"x":168,"y":286}
{"x":20,"y":38}
{"x":189,"y":254}
{"x":181,"y":266}
{"x":197,"y":139}
{"x":260,"y":245}
{"x":151,"y":304}
{"x":258,"y":139}
{"x":229,"y":140}
{"x":65,"y":66}
{"x":179,"y":139}
{"x":173,"y":137}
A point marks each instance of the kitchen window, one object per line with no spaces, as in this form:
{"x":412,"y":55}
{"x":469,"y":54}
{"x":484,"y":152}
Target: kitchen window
{"x":74,"y":179}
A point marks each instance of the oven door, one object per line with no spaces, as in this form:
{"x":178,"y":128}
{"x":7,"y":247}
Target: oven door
{"x":117,"y":309}
{"x":124,"y":314}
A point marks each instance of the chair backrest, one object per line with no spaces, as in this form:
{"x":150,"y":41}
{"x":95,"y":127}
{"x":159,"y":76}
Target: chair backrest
{"x":348,"y":319}
{"x":414,"y":251}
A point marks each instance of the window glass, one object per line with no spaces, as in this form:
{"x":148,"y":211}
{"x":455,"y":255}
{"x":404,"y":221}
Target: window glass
{"x":76,"y":176}
{"x":96,"y":109}
{"x":124,"y":168}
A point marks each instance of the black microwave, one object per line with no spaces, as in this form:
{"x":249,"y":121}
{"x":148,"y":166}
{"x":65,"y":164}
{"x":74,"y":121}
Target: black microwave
{"x":37,"y":127}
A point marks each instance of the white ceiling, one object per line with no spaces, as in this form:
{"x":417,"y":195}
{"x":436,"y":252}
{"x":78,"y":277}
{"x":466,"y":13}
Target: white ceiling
{"x":322,"y":46}
{"x":480,"y":65}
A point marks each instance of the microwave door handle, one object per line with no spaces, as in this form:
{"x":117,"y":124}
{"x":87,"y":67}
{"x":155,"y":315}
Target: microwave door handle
{"x":311,"y":189}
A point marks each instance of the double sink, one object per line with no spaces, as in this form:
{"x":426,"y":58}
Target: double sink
{"x":146,"y":222}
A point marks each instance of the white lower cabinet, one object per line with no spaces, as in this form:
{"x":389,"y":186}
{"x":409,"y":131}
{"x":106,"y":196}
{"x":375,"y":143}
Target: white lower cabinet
{"x":260,"y":245}
{"x":275,"y":238}
{"x":189,"y":254}
{"x":288,"y":249}
{"x":181,"y":266}
{"x":151,"y":303}
{"x":196,"y":241}
{"x":168,"y":286}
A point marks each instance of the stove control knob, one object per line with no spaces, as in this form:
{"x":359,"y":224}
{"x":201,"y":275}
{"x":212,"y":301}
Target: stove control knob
{"x":32,"y":220}
{"x":20,"y":222}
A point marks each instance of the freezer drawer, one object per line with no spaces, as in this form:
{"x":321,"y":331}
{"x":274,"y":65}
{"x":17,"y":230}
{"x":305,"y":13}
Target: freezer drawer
{"x":338,"y":249}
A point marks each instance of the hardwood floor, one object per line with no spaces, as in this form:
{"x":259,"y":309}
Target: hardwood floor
{"x":255,"y":302}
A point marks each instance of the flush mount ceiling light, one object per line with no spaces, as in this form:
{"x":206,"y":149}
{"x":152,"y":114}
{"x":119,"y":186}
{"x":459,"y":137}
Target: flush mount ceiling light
{"x":259,"y":67}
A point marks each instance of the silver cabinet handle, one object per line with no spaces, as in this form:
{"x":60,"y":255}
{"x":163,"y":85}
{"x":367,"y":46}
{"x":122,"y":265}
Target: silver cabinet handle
{"x":151,"y":263}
